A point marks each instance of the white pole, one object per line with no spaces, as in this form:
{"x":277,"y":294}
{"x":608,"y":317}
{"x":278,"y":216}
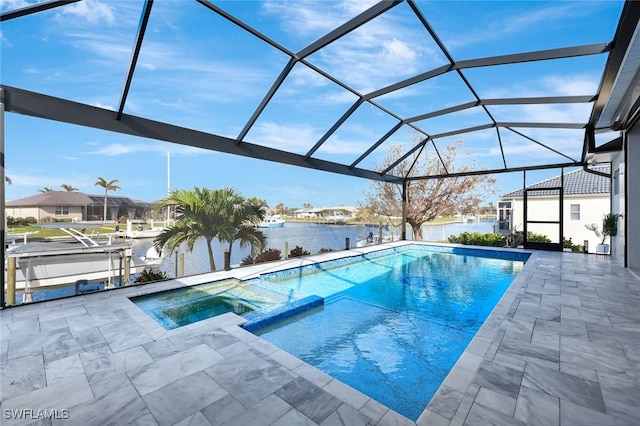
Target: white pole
{"x":2,"y":194}
{"x":168,"y":184}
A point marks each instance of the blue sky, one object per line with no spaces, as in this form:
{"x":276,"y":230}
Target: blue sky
{"x":198,"y":70}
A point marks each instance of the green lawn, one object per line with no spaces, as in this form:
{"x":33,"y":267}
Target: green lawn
{"x":47,"y":233}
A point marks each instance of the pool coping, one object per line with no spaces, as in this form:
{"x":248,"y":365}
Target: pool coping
{"x":522,"y":343}
{"x":460,"y":377}
{"x":478,"y":346}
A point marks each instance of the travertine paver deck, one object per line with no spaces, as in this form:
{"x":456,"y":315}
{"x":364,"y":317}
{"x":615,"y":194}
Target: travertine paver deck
{"x":562,"y":347}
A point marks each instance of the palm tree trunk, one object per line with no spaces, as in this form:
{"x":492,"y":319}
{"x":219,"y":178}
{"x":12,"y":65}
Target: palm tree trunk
{"x":104,"y":219}
{"x":228,"y":257}
{"x":212,"y":262}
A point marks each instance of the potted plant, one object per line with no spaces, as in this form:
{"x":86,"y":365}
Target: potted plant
{"x":609,"y":229}
{"x":610,"y":225}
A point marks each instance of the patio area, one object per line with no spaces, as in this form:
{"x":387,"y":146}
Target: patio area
{"x":561,"y":347}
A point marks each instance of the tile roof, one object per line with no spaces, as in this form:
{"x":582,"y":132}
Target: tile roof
{"x":72,"y":198}
{"x":578,"y":182}
{"x":51,"y":198}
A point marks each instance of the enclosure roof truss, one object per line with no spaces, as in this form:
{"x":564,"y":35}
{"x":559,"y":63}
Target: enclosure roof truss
{"x":21,"y":101}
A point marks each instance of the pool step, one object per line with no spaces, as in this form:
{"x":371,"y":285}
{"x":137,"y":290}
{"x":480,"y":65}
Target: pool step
{"x":266,"y":317}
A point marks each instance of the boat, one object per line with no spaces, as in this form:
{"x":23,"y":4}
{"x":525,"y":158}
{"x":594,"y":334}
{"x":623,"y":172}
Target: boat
{"x":381,"y":235}
{"x":337,"y":217}
{"x":372,"y":240}
{"x":12,"y":239}
{"x":272,"y":221}
{"x":136,"y":229}
{"x":44,"y":265}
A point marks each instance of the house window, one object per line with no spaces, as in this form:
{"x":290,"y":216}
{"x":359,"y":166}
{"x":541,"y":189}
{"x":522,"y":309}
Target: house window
{"x":575,"y":211}
{"x":62,"y":210}
{"x":504,"y":215}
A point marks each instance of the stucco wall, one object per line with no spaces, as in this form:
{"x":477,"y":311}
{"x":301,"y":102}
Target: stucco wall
{"x":632,"y":215}
{"x":41,"y":213}
{"x":592,"y":210}
{"x":618,"y":200}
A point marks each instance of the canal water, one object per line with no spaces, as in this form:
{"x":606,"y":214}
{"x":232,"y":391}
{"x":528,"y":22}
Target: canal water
{"x":311,"y":237}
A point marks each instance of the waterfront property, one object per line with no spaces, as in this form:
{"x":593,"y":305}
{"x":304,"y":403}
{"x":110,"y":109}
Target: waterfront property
{"x":586,"y":198}
{"x":76,"y":206}
{"x":561,"y":347}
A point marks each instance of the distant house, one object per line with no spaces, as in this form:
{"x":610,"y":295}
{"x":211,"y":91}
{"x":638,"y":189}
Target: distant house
{"x":307,"y":213}
{"x":346,"y":211}
{"x":324,"y":212}
{"x":586,"y":201}
{"x":76,"y":206}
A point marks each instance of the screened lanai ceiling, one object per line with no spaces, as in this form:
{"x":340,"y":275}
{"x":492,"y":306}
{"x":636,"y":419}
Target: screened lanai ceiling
{"x":331,"y":85}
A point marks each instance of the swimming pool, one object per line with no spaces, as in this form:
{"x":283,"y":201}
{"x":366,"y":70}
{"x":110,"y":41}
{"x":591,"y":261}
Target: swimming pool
{"x":394,"y":324}
{"x":179,"y":307}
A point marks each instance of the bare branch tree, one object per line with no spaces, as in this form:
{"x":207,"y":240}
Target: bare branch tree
{"x":428,"y":198}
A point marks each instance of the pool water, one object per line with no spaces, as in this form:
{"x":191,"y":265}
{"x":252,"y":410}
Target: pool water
{"x":394,"y":326}
{"x":176,"y":308}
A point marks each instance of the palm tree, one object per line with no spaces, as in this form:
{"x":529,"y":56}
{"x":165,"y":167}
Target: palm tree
{"x":206,"y":213}
{"x":281,"y":209}
{"x":69,"y":188}
{"x":108,"y":186}
{"x":45,"y":189}
{"x":243,"y":217}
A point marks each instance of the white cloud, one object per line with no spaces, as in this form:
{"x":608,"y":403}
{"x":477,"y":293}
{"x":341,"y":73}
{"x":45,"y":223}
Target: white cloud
{"x":295,"y":138}
{"x":396,"y":50}
{"x":308,"y":17}
{"x":389,"y":47}
{"x":338,"y":146}
{"x":552,"y":113}
{"x":9,"y":5}
{"x":376,"y":55}
{"x":208,"y":79}
{"x":570,"y":85}
{"x":19,"y":179}
{"x":301,"y":138}
{"x":101,"y":105}
{"x":506,"y":24}
{"x":556,"y":12}
{"x":341,"y":96}
{"x":518,"y":149}
{"x":116,"y":149}
{"x":305,"y":76}
{"x":4,"y":41}
{"x":92,"y":11}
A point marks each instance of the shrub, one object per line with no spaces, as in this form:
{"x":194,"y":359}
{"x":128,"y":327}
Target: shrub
{"x":610,"y":225}
{"x":149,"y":275}
{"x":21,"y":221}
{"x":516,"y":238}
{"x":269,"y":255}
{"x":478,"y":239}
{"x":298,"y":251}
{"x":576,"y":248}
{"x":266,"y":256}
{"x":325,"y":250}
{"x":537,"y":238}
